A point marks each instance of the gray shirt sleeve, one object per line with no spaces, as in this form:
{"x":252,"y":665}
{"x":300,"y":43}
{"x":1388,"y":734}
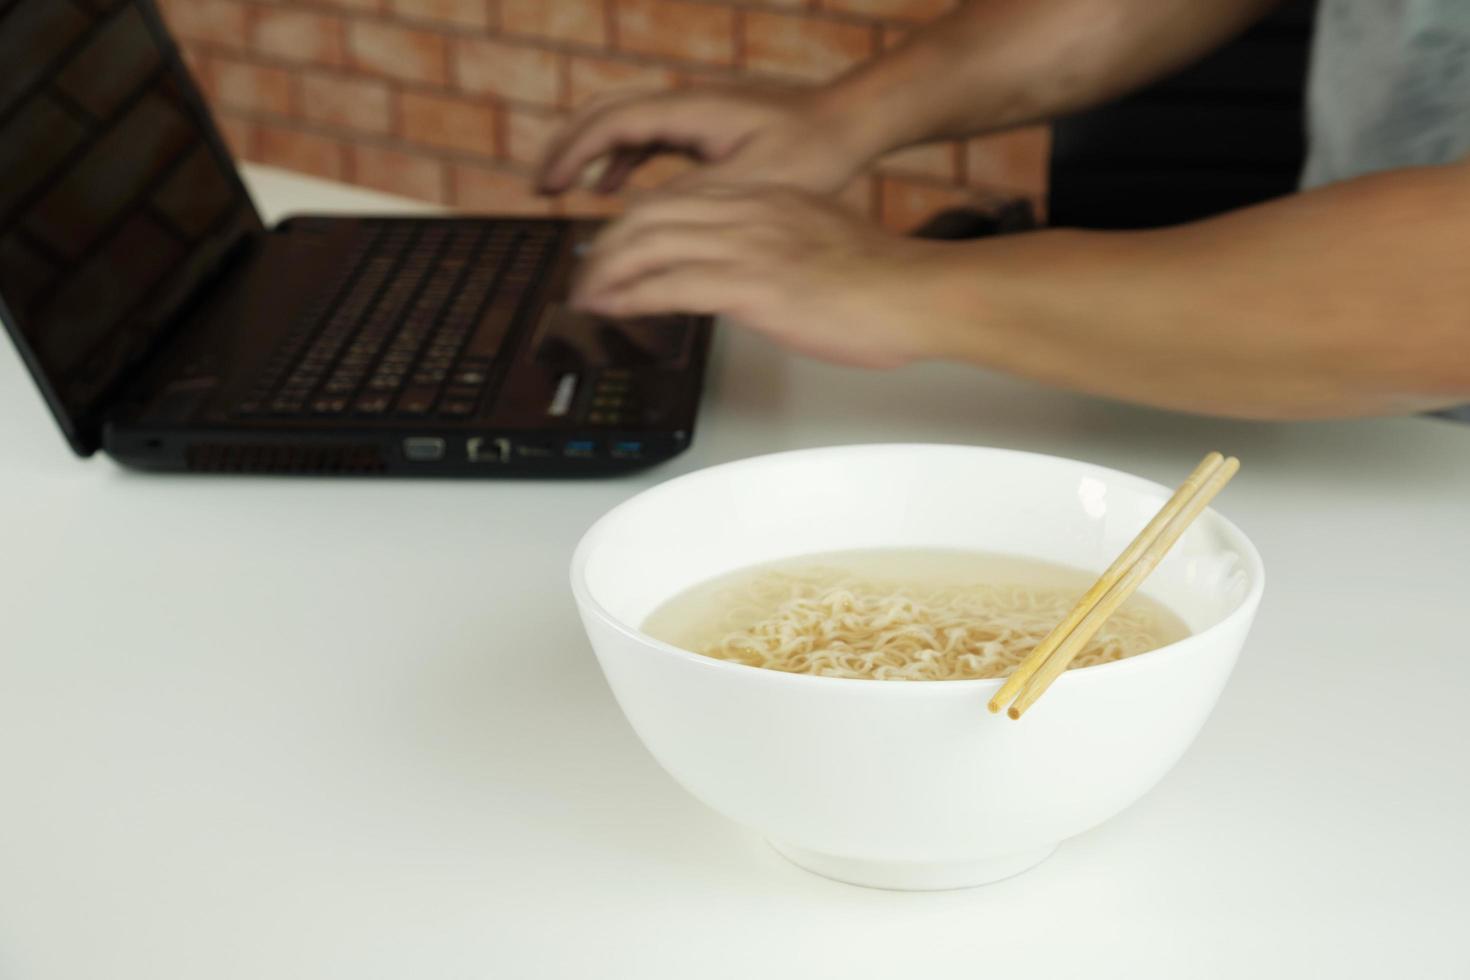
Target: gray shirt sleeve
{"x":1389,"y":87}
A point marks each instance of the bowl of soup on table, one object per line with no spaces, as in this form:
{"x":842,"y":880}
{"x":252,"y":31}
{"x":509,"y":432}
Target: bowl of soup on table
{"x":807,"y":642}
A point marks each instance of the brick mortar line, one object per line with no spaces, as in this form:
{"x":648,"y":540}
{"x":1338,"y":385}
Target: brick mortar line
{"x":808,"y":7}
{"x":502,"y":163}
{"x":496,"y":22}
{"x":738,"y":41}
{"x":564,"y":82}
{"x":347,"y":160}
{"x":393,"y":138}
{"x":263,"y":59}
{"x":441,"y":154}
{"x":568,"y":49}
{"x":500,"y":135}
{"x":610,"y":26}
{"x":808,"y":12}
{"x":450,"y":29}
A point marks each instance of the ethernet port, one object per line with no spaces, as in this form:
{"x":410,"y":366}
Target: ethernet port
{"x":481,"y":449}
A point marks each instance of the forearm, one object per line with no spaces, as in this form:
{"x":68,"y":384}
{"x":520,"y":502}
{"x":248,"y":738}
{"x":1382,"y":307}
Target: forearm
{"x":1352,"y":300}
{"x":996,"y":64}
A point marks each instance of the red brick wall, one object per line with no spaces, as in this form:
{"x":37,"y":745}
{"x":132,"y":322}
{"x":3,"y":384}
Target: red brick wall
{"x":451,"y":100}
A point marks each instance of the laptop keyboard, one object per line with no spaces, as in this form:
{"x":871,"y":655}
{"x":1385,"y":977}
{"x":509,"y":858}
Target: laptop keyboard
{"x":414,"y":325}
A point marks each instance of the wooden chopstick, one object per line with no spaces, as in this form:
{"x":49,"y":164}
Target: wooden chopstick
{"x":1063,"y":656}
{"x":1093,"y":616}
{"x":1115,"y":571}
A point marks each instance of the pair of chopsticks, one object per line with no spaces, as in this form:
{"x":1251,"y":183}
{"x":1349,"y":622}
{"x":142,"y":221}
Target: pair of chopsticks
{"x":1123,"y":577}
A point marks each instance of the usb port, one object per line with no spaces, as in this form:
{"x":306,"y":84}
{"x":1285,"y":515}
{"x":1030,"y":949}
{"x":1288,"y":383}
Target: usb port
{"x":580,"y":449}
{"x":478,"y":449}
{"x":535,"y":450}
{"x":423,"y":449}
{"x":627,"y":450}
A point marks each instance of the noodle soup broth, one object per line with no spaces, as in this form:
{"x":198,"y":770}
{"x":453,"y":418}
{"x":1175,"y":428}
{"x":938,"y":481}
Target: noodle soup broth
{"x":899,"y":614}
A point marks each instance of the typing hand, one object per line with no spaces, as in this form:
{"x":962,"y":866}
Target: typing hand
{"x":786,"y":137}
{"x":796,"y":267}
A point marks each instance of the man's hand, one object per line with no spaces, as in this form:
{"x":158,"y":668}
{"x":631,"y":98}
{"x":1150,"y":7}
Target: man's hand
{"x":793,"y":266}
{"x":787,"y":137}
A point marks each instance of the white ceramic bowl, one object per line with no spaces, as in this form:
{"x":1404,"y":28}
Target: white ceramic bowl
{"x":909,"y":784}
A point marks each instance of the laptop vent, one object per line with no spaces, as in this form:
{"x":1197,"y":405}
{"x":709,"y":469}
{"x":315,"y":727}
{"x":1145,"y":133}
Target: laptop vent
{"x":329,"y":458}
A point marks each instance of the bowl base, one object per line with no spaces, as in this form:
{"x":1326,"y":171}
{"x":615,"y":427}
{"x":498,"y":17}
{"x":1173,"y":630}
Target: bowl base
{"x":913,"y":875}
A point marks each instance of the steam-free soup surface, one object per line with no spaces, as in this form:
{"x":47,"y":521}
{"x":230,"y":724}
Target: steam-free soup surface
{"x":899,"y":614}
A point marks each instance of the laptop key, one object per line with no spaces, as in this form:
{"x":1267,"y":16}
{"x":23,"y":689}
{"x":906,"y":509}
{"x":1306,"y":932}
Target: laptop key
{"x":417,"y":400}
{"x":462,"y":394}
{"x":372,"y":404}
{"x":469,"y":376}
{"x":457,"y":407}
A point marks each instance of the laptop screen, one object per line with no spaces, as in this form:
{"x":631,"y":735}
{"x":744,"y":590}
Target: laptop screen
{"x":116,"y":196}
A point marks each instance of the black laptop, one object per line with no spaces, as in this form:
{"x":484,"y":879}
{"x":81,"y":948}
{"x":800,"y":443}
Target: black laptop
{"x":167,"y":326}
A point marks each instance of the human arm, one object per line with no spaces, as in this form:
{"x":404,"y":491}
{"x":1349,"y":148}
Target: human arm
{"x":986,"y":66}
{"x":1349,"y":300}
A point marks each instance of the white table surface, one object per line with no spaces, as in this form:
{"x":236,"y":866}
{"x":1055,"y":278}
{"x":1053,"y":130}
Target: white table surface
{"x":281,"y":728}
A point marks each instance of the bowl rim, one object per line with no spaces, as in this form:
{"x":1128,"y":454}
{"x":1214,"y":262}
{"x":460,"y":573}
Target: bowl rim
{"x":588,"y":603}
